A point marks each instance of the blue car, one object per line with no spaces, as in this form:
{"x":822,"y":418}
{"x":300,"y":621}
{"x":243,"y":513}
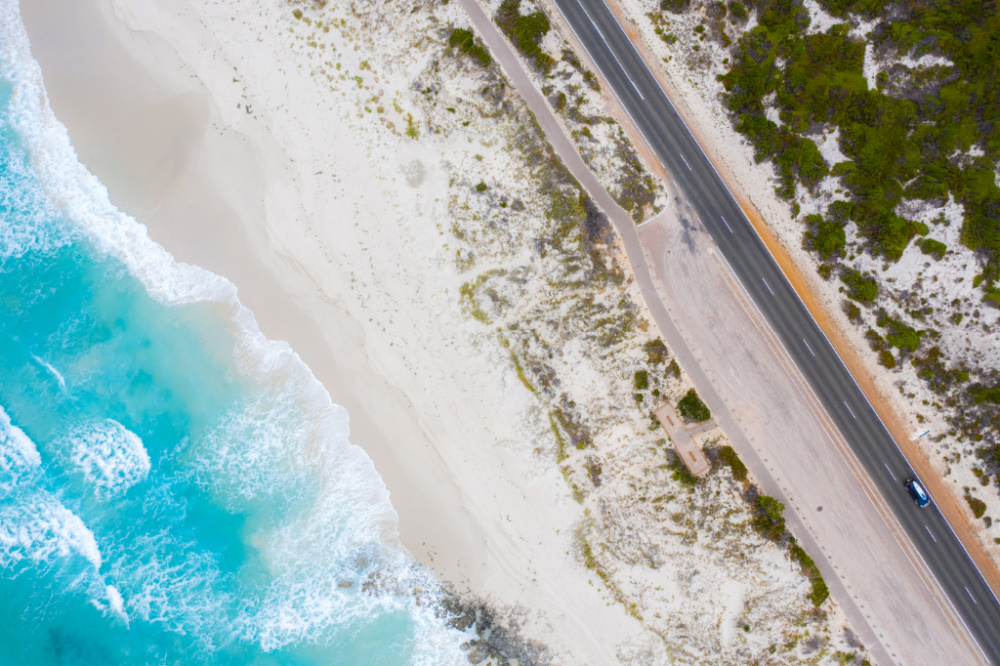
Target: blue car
{"x":916,"y":489}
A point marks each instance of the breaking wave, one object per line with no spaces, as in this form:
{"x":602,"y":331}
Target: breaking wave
{"x":181,"y":488}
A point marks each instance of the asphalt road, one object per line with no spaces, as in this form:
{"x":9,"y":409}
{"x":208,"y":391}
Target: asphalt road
{"x":651,"y":111}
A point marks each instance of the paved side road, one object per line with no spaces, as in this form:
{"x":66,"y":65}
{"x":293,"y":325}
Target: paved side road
{"x":849,"y":592}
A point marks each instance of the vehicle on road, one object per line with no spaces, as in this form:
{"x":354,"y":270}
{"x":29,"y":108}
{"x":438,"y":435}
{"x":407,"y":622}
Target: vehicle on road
{"x":918,"y":491}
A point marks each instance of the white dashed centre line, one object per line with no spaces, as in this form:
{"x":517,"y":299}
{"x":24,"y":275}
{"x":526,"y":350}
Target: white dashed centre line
{"x":935,"y":541}
{"x":685,"y":162}
{"x":727,"y":224}
{"x":894,"y":479}
{"x":971,"y":597}
{"x":767,"y":285}
{"x":808,"y":347}
{"x":849,"y":409}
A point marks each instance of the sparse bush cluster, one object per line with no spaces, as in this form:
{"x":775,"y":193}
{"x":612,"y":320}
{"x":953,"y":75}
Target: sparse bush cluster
{"x":900,"y":139}
{"x":860,"y":288}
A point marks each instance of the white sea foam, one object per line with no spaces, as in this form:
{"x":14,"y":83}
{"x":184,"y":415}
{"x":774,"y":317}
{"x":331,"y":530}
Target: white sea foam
{"x":277,"y":443}
{"x":111,"y":457}
{"x":39,"y":529}
{"x":17,"y":452}
{"x":78,"y":193}
{"x":169,"y":584}
{"x":33,"y":228}
{"x":109,"y":601}
{"x":55,"y":373}
{"x":256,"y":451}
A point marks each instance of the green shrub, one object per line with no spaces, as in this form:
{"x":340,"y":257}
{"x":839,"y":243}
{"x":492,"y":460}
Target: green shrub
{"x":886,"y":358}
{"x":828,"y":239}
{"x":738,"y":11}
{"x":692,"y":408}
{"x":656,"y":352}
{"x":773,"y":509}
{"x":728,"y":457}
{"x":769,"y":521}
{"x":981,"y":394}
{"x":934,"y":248}
{"x":899,"y":335}
{"x":852,"y":311}
{"x":820,"y":592}
{"x":679,"y":470}
{"x":977,"y":505}
{"x":675,"y":6}
{"x":859,"y":287}
{"x":875,"y":341}
{"x":641,"y":380}
{"x":480,"y":186}
{"x":466,"y":43}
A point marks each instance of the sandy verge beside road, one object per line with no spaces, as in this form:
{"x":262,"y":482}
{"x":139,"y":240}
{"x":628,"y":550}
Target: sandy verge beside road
{"x":193,"y":129}
{"x":885,"y":582}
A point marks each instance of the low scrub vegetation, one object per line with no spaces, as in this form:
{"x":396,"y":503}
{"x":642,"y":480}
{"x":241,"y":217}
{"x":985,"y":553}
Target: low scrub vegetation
{"x":769,"y":518}
{"x":679,"y":471}
{"x":466,"y":43}
{"x":977,"y":505}
{"x":692,"y":408}
{"x":900,"y":138}
{"x":860,"y":288}
{"x":820,"y":592}
{"x":526,"y":32}
{"x":727,"y":456}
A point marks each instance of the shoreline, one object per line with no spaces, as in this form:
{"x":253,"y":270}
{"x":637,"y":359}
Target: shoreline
{"x":205,"y":216}
{"x":325,"y":264}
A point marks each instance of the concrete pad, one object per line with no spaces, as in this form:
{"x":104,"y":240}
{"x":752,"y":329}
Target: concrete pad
{"x":682,"y":439}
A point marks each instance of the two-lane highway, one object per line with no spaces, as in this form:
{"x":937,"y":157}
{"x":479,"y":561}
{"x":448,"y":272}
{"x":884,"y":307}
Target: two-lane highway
{"x":644,"y":100}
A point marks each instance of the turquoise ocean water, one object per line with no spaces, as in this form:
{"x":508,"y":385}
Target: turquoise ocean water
{"x":174,"y":488}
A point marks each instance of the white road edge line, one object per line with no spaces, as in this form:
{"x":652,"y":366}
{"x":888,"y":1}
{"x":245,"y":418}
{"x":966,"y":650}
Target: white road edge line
{"x":849,"y":409}
{"x":971,"y":597}
{"x":687,"y":165}
{"x":612,"y":52}
{"x":727,"y":224}
{"x":808,"y":347}
{"x":893,"y":477}
{"x":952,"y":604}
{"x":935,"y":541}
{"x":767,"y":285}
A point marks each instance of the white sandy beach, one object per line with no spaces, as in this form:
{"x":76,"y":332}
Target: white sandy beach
{"x":207,"y":131}
{"x":230,"y":129}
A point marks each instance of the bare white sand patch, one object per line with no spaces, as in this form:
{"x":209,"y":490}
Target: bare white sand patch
{"x":819,"y":20}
